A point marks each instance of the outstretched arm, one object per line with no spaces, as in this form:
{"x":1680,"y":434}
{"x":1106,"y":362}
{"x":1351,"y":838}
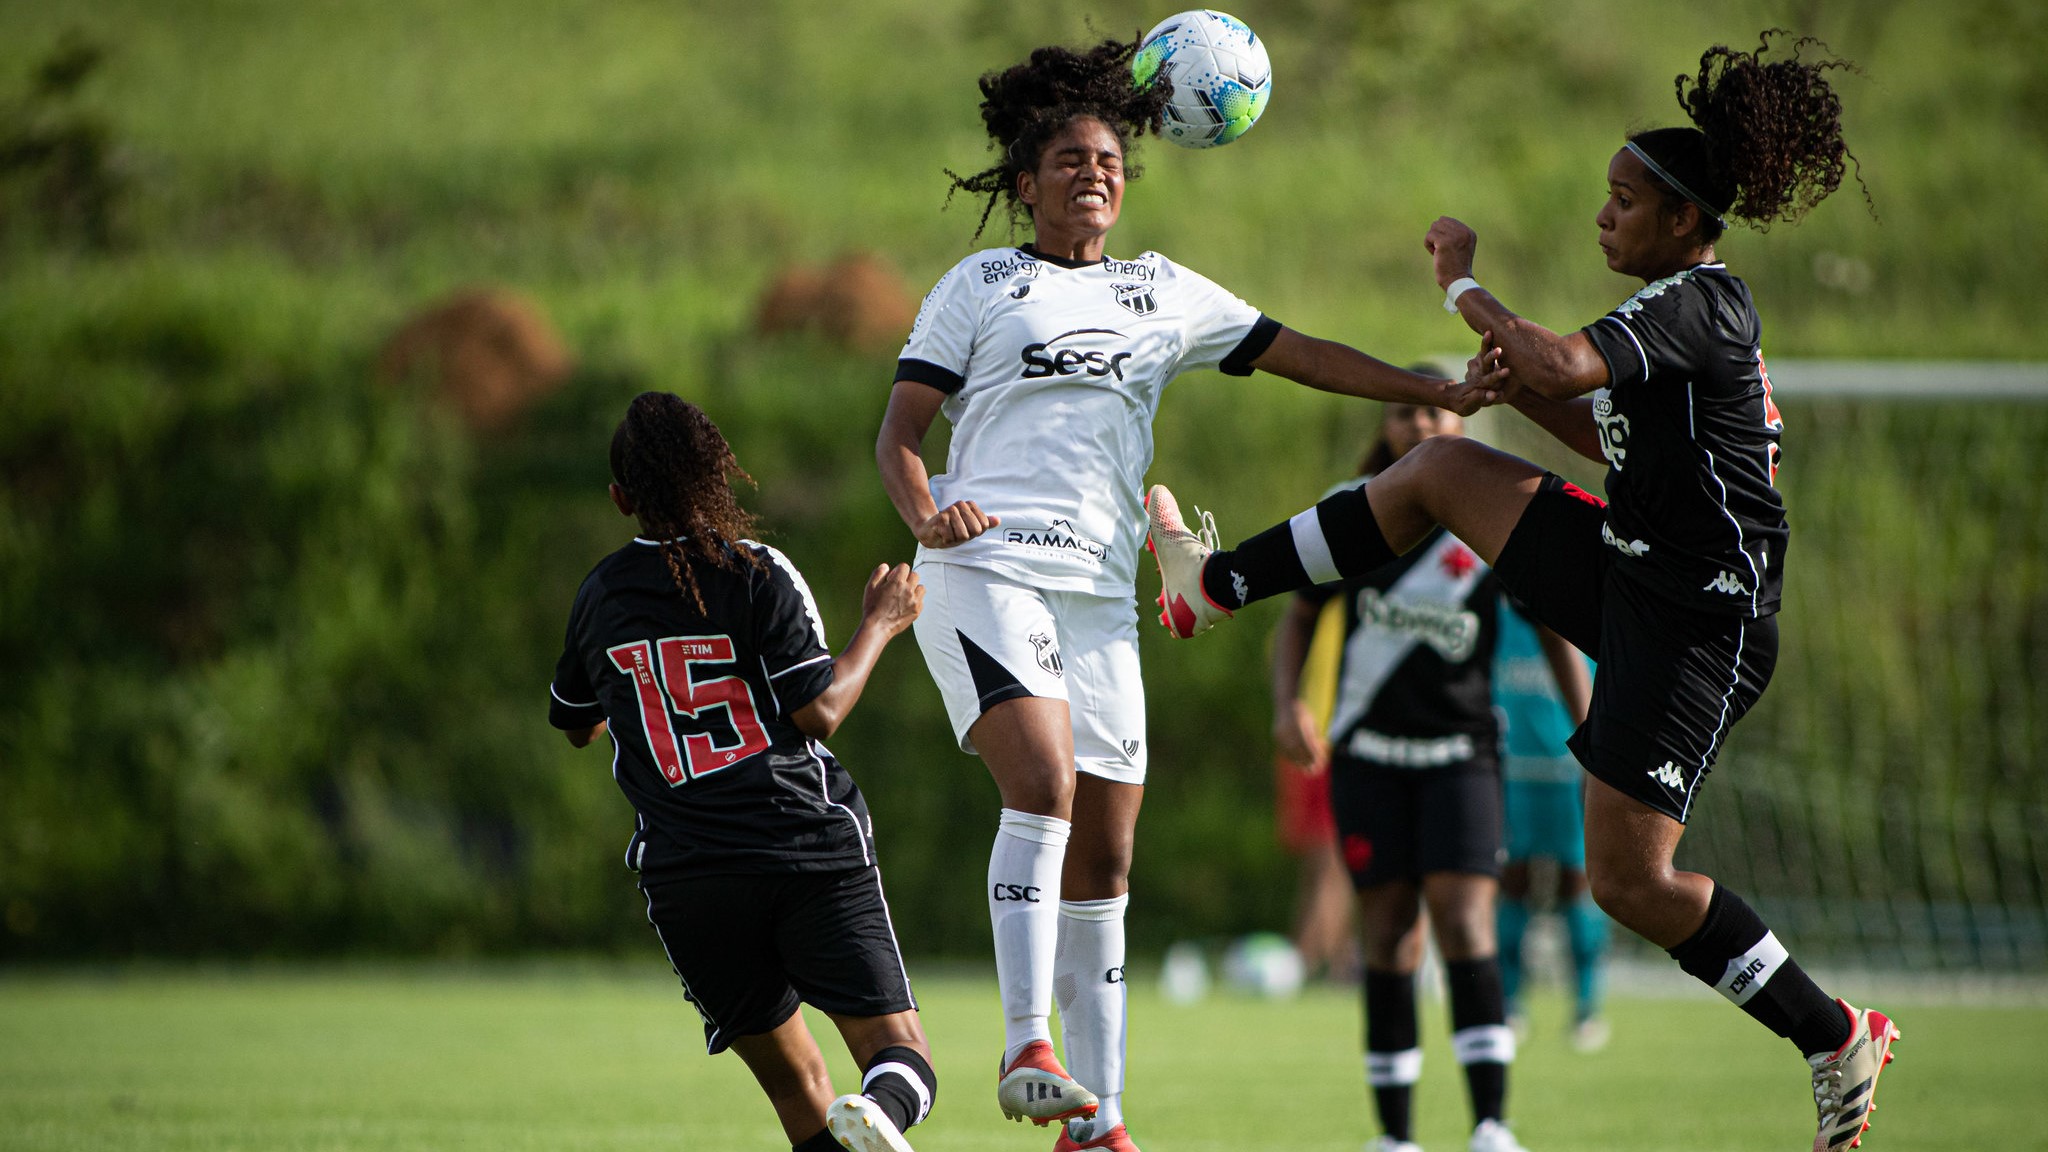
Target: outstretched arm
{"x":1332,"y":367}
{"x":1537,"y":359}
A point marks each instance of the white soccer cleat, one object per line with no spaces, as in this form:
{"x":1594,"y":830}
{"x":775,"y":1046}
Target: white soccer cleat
{"x":1389,"y":1144}
{"x":1183,"y":607}
{"x":1493,"y":1136}
{"x":1845,"y":1084}
{"x":859,"y":1124}
{"x":1035,"y":1087}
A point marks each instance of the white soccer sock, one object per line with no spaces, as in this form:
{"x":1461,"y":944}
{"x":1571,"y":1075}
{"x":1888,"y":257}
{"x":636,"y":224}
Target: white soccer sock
{"x":1023,"y":910}
{"x":1088,"y":978}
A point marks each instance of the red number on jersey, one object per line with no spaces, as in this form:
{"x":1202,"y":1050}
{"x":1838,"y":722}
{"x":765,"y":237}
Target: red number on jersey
{"x":676,"y":689}
{"x":1773,"y":419}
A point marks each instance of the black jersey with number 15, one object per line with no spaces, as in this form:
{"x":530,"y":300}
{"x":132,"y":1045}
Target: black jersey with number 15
{"x":699,"y":707}
{"x":1691,"y":439}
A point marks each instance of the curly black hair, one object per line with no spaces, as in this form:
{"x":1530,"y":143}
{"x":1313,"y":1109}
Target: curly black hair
{"x":1025,"y":106}
{"x":1767,"y":142}
{"x":677,"y":469}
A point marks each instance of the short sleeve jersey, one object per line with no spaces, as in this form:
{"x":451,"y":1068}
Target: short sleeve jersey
{"x":1053,"y":371}
{"x":1691,"y":437}
{"x":699,"y":706}
{"x":1414,"y":683}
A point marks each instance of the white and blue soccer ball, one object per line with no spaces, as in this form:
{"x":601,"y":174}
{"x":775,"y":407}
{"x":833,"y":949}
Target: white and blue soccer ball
{"x":1221,"y":76}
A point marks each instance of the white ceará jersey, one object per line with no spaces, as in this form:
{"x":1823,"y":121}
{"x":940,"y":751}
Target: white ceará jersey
{"x":1053,"y":372}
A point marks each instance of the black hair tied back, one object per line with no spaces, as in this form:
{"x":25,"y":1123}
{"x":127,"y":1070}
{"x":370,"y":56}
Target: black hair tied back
{"x":1766,"y":143}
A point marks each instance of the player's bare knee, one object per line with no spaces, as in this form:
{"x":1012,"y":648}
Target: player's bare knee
{"x":1466,"y":937}
{"x":1631,"y":896}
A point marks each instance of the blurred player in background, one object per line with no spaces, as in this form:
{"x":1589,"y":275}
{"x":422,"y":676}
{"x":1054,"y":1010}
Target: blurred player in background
{"x":1541,"y":689}
{"x":1674,"y":586}
{"x":703,"y":655}
{"x":1050,"y":361}
{"x":1302,"y":820}
{"x":1413,"y":747}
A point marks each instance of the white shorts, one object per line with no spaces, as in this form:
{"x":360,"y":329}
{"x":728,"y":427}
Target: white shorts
{"x":988,"y":639}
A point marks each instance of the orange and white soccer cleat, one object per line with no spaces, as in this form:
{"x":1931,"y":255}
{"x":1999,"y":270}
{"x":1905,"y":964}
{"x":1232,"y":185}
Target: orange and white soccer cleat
{"x":1035,"y":1087}
{"x":1183,"y":607}
{"x":1845,"y":1084}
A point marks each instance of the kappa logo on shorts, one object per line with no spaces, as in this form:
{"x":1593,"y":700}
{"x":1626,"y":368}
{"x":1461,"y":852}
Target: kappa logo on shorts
{"x":1727,"y":582}
{"x":1048,"y":651}
{"x":1669,"y":775}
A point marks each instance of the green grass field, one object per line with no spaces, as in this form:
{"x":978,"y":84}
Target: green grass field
{"x":601,"y":1057}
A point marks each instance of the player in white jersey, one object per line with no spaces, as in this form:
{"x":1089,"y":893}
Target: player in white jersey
{"x":1049,"y":360}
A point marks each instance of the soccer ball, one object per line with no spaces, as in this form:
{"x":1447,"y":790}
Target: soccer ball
{"x":1264,"y":964}
{"x":1221,"y":77}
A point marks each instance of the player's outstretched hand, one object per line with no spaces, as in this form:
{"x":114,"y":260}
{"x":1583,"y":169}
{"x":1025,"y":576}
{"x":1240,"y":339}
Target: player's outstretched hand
{"x":956,"y":523}
{"x":893,"y":599}
{"x":1451,"y":247}
{"x":1488,"y":372}
{"x":1485,"y":383}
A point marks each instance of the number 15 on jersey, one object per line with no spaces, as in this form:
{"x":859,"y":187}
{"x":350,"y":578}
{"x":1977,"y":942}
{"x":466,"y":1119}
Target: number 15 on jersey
{"x":663,"y":674}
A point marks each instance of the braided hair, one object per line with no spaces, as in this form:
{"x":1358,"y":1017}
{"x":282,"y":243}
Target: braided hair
{"x":676,"y":468}
{"x":1025,"y":106}
{"x":1766,"y":144}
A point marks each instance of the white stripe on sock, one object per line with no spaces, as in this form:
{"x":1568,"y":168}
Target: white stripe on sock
{"x":898,"y":1068}
{"x":1749,"y":972}
{"x":1312,"y":549}
{"x":1484,"y":1044}
{"x":1387,"y":1069}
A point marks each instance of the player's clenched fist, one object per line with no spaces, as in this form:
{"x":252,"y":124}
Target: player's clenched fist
{"x":956,"y":523}
{"x":893,"y":599}
{"x":1451,"y":244}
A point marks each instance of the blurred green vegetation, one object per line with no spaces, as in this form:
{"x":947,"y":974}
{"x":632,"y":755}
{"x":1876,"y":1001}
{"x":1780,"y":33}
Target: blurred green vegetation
{"x":275,"y":639}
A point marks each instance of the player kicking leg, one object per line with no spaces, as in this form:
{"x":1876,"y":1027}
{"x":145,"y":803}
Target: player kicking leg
{"x":1543,"y":538}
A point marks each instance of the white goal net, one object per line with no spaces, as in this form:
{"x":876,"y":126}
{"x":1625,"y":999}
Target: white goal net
{"x":1885,"y":805}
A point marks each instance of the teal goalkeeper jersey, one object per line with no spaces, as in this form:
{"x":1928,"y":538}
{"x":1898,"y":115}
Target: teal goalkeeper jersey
{"x":1534,"y":720}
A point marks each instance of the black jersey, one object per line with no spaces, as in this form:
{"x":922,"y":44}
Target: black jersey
{"x":1691,"y":440}
{"x":1415,"y":683}
{"x":699,"y":707}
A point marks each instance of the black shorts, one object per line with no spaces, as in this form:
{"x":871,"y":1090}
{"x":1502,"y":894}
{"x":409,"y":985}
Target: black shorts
{"x":748,"y":949}
{"x":1404,"y":823}
{"x":1672,"y":680}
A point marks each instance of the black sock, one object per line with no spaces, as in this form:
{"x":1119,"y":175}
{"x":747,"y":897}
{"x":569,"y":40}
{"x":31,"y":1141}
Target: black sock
{"x":1737,"y":956}
{"x":1479,"y":1032}
{"x":1269,"y":563}
{"x":1393,"y":1055}
{"x":892,"y":1081}
{"x":822,"y":1142}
